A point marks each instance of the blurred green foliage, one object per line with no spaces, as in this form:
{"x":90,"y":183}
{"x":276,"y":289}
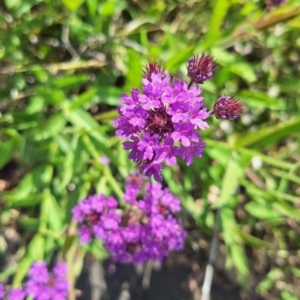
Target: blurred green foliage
{"x":64,"y":65}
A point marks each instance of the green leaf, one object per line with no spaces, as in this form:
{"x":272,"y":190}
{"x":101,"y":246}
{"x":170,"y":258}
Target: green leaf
{"x":109,"y":95}
{"x":53,"y":126}
{"x":7,"y":149}
{"x":72,"y":5}
{"x":69,"y":82}
{"x":27,"y":201}
{"x":54,"y":214}
{"x":68,"y":169}
{"x":81,"y":119}
{"x":261,"y":211}
{"x":134,"y":69}
{"x":269,"y":135}
{"x":12,"y":3}
{"x":84,"y":98}
{"x":22,"y":270}
{"x":287,"y":210}
{"x":243,"y":70}
{"x":29,"y":223}
{"x":234,"y":64}
{"x":251,"y":240}
{"x":269,"y":280}
{"x":92,"y":7}
{"x":226,"y":148}
{"x":239,"y":258}
{"x":179,"y":58}
{"x":230,"y":182}
{"x":216,"y":21}
{"x":36,"y":248}
{"x":261,"y":100}
{"x":25,"y":193}
{"x":285,"y":295}
{"x":228,"y":225}
{"x":296,"y":271}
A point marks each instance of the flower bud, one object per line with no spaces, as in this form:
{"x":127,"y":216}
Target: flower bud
{"x":227,"y":108}
{"x":153,"y":67}
{"x":201,"y":68}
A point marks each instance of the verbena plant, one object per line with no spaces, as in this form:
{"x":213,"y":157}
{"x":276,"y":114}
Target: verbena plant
{"x":64,"y":66}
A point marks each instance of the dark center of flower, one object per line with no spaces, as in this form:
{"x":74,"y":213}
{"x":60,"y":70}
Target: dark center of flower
{"x":161,"y":209}
{"x":159,"y":122}
{"x":51,"y":281}
{"x":93,"y":219}
{"x":135,"y":179}
{"x":133,"y":247}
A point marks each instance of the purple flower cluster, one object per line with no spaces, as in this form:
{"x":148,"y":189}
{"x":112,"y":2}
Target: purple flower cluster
{"x":161,"y":123}
{"x":45,"y":285}
{"x":146,"y":230}
{"x":42,"y":285}
{"x":2,"y":291}
{"x":14,"y":293}
{"x":97,"y":216}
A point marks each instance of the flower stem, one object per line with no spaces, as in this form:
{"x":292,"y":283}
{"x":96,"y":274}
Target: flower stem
{"x":209,"y":271}
{"x":190,"y":83}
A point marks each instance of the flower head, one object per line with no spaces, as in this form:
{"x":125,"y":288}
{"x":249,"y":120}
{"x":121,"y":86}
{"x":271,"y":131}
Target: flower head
{"x":95,"y":214}
{"x":201,"y":68}
{"x":160,"y":121}
{"x":227,"y":108}
{"x":146,"y":230}
{"x":45,"y":285}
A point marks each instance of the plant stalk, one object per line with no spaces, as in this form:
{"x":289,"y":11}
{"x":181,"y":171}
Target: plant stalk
{"x":209,"y":271}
